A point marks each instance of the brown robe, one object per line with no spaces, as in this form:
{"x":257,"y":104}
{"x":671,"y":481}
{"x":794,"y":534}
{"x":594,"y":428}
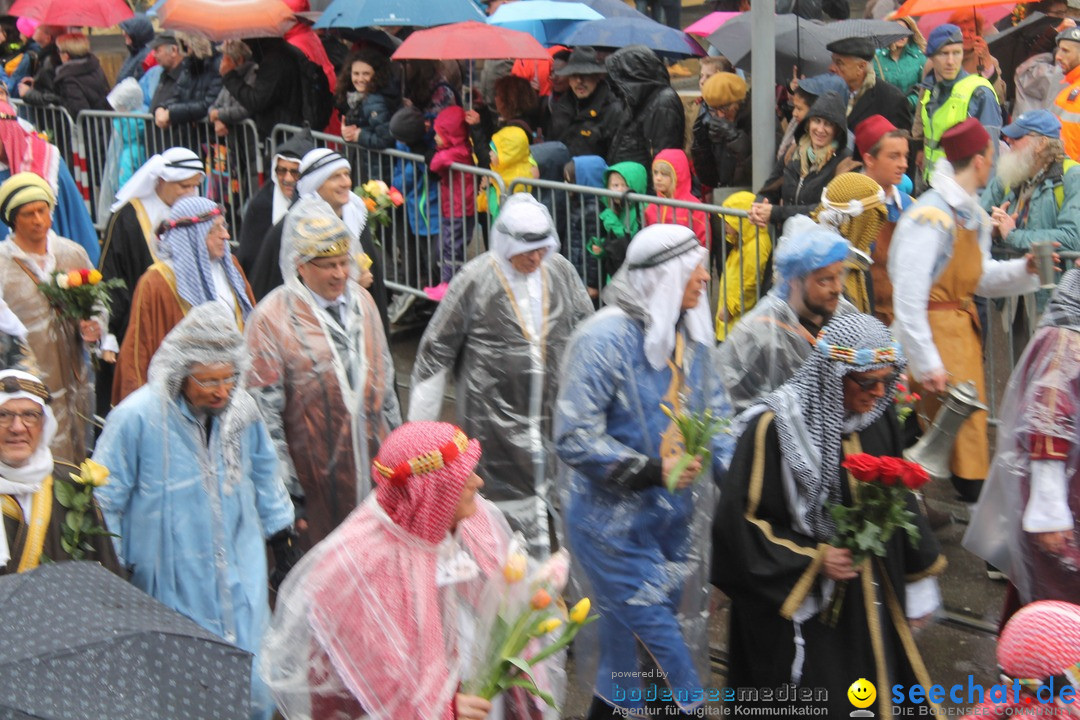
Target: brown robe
{"x":879,"y":274}
{"x":156,"y":308}
{"x":56,"y":344}
{"x":295,"y":375}
{"x":29,"y":548}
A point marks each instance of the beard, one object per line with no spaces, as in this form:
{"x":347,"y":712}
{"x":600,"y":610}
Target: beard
{"x":1016,"y":168}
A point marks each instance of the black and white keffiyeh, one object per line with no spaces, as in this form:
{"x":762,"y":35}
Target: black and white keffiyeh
{"x":810,"y":417}
{"x":1063,"y":310}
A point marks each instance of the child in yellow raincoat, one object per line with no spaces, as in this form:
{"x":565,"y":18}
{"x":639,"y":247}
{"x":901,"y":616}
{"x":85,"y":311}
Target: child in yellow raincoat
{"x":510,"y":157}
{"x":744,"y":268}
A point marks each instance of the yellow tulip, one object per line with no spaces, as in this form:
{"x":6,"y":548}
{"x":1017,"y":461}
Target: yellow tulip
{"x":514,"y":570}
{"x":579,"y":612}
{"x":547,"y":626}
{"x":93,"y":474}
{"x":95,"y":277}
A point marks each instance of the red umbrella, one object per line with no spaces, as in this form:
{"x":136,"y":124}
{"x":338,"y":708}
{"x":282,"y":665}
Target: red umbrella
{"x":81,"y":13}
{"x":227,"y":19}
{"x":470,"y":40}
{"x":922,"y":7}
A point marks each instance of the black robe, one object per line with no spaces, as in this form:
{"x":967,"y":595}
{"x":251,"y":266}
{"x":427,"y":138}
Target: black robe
{"x":18,"y":530}
{"x":767,"y":568}
{"x":265,"y":275}
{"x":256,"y":225}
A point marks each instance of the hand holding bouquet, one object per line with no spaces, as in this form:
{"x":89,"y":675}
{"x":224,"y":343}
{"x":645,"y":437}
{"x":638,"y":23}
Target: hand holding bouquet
{"x":81,"y":295}
{"x":378,"y":198}
{"x":697,"y":432}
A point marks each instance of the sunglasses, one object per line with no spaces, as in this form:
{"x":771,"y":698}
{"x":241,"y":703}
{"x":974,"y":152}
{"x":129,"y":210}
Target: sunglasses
{"x":871,"y":383}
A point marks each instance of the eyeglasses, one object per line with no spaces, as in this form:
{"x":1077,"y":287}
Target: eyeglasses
{"x":871,"y":383}
{"x":287,"y":171}
{"x":30,"y":418}
{"x":215,"y":383}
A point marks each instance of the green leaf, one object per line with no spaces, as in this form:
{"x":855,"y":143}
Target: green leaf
{"x":531,"y":688}
{"x":63,"y":491}
{"x":523,"y":666}
{"x":80,"y":502}
{"x":67,"y":546}
{"x":73,"y":520}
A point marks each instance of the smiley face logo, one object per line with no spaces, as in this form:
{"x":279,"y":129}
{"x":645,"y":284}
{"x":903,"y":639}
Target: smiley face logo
{"x":862,"y":693}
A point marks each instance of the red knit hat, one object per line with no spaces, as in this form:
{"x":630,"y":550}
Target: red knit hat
{"x":964,"y":140}
{"x":870,"y":131}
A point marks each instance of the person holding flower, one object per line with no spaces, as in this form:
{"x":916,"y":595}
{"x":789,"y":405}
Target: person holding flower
{"x":381,"y":618}
{"x":31,"y":481}
{"x":641,"y":539}
{"x":32,"y":255}
{"x":777,"y":534}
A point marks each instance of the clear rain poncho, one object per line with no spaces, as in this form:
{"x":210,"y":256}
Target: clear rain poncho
{"x":379,"y":620}
{"x":193,"y":496}
{"x":769,"y":344}
{"x":1034,"y":485}
{"x":502,"y":334}
{"x":322,"y":374}
{"x":644,"y":551}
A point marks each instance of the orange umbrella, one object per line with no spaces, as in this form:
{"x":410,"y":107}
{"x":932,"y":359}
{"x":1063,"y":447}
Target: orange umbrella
{"x":79,"y":13}
{"x":922,"y":7}
{"x":227,"y":19}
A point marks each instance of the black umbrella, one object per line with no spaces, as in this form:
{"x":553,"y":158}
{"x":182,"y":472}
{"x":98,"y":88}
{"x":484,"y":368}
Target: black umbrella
{"x":882,"y":32}
{"x":1014,"y":45}
{"x":799,"y":43}
{"x":78,"y":642}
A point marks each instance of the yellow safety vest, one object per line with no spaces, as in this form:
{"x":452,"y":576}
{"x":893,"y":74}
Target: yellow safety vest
{"x":952,"y":112}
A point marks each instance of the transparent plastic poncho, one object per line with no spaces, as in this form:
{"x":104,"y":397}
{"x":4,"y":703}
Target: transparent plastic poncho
{"x":501,"y":335}
{"x":640,"y":552}
{"x":324,"y":382}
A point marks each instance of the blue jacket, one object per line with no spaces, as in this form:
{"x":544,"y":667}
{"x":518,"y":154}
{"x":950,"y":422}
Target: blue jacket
{"x":421,"y":194}
{"x":1043,"y":218}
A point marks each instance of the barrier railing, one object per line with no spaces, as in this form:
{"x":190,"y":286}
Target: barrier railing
{"x":116,"y":144}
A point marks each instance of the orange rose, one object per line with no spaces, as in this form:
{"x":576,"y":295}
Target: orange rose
{"x":369,"y":204}
{"x":74,"y":278}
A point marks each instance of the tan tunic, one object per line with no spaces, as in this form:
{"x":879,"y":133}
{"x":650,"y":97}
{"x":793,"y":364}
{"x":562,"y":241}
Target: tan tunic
{"x":57,"y":345}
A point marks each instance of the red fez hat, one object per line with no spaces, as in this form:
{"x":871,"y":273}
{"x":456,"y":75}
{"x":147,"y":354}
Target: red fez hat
{"x":964,"y":140}
{"x":870,"y":131}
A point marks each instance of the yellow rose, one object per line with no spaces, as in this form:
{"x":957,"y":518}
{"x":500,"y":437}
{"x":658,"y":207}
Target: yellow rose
{"x":514,"y":570}
{"x":364,"y":261}
{"x":547,"y":626}
{"x":93,"y":474}
{"x":579,"y":612}
{"x":95,"y":277}
{"x":371,"y":187}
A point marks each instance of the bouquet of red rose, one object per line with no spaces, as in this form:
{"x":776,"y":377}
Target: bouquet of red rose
{"x":79,"y":294}
{"x":879,"y":510}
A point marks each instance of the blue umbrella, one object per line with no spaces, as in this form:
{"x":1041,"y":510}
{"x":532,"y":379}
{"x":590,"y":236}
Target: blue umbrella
{"x":610,"y":8}
{"x":622,"y":31}
{"x":543,"y":19}
{"x":417,"y":13}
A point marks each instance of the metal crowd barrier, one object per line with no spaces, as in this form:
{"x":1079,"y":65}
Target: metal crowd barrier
{"x":412,"y":252}
{"x":116,"y":144}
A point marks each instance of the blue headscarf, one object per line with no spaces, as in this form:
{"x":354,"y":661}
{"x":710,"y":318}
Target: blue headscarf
{"x":184,"y":248}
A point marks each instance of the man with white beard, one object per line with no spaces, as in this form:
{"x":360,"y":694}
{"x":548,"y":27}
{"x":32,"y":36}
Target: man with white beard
{"x":1036,"y":193}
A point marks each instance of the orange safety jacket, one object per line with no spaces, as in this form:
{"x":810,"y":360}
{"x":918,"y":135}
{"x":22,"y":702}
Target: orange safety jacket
{"x":1067,"y":108}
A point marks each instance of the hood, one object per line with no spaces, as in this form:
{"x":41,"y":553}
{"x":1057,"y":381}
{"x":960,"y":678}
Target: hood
{"x":831,"y":107}
{"x":635,"y":175}
{"x":512,"y":144}
{"x":635,"y":73}
{"x":140,"y":29}
{"x":676,"y":159}
{"x":589,"y":170}
{"x":78,"y":67}
{"x":551,"y":157}
{"x":742,"y":201}
{"x":450,"y":125}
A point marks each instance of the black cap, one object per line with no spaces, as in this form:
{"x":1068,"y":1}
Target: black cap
{"x":407,"y":125}
{"x":1072,"y":33}
{"x":860,"y":47}
{"x":582,"y":61}
{"x":165,"y":37}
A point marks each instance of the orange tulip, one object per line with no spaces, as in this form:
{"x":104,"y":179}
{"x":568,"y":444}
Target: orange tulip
{"x":540,"y":599}
{"x":74,"y":278}
{"x":369,"y":204}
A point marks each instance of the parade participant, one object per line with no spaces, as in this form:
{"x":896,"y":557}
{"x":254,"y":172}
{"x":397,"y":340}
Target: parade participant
{"x":774,"y":551}
{"x":883,"y":150}
{"x":1026,"y":521}
{"x":24,"y":150}
{"x":27,"y":478}
{"x":950,"y":95}
{"x":379,"y":619}
{"x":1066,"y":106}
{"x":1039,"y":645}
{"x":870,"y":95}
{"x":321,"y":370}
{"x":194,"y":487}
{"x":772,"y":340}
{"x":29,"y":256}
{"x":195,"y":267}
{"x":328,"y":175}
{"x":939,"y":262}
{"x":128,"y":246}
{"x":501,"y":330}
{"x":268,"y":207}
{"x":854,"y":206}
{"x":644,"y":549}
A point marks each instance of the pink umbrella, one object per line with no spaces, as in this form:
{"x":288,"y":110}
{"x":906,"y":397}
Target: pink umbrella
{"x":709,"y":23}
